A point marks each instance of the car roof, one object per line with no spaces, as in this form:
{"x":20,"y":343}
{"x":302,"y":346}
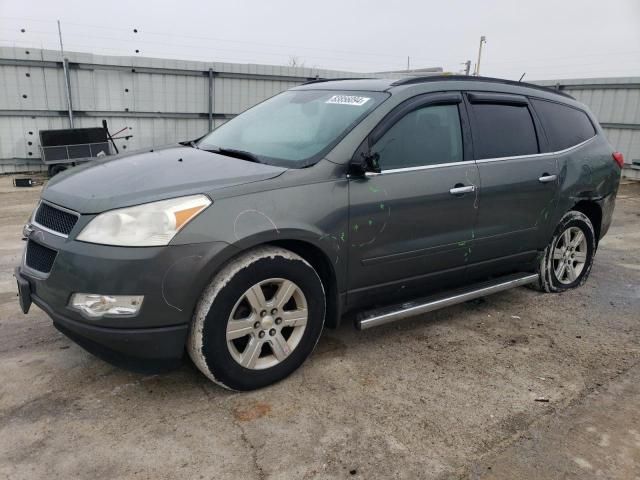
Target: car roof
{"x":392,"y":84}
{"x":362,"y":84}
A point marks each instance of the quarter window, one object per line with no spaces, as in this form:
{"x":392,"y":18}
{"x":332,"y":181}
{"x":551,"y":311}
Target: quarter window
{"x":565,"y":126}
{"x":503,"y":131}
{"x":427,"y":136}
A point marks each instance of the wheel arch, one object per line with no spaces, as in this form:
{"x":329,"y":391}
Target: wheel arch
{"x":593,"y":211}
{"x":325,"y":269}
{"x":304,"y":247}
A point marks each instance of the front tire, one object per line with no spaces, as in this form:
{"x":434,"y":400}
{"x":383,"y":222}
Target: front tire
{"x":566,"y":262}
{"x":258,"y":320}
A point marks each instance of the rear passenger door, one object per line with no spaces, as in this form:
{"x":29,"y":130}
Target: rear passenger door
{"x":517,"y":184}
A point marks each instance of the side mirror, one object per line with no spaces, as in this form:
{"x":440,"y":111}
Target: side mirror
{"x":368,"y":162}
{"x":372,"y":161}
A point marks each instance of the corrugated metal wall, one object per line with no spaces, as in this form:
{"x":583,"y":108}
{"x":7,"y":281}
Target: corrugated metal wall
{"x":162,"y":101}
{"x":616,"y":104}
{"x":159,"y":100}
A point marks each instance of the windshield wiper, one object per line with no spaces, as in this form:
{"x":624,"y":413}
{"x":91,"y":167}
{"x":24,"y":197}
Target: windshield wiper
{"x":240,"y":153}
{"x":232,"y":152}
{"x":190,"y":143}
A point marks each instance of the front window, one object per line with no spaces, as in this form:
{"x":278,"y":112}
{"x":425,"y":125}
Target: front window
{"x":296,"y":128}
{"x":427,"y":136}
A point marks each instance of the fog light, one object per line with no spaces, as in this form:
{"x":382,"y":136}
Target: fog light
{"x":96,"y":306}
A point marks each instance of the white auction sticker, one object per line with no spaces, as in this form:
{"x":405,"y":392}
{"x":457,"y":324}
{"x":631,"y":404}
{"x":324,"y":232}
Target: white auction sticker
{"x":348,"y":100}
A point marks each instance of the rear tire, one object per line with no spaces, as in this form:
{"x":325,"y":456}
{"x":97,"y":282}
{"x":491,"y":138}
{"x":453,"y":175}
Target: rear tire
{"x":566,"y":262}
{"x":258,"y":320}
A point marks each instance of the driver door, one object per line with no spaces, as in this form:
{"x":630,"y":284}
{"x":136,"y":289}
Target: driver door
{"x":411,"y":226}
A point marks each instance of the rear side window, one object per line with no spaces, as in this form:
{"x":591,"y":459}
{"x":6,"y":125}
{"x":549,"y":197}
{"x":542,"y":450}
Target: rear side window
{"x":565,"y":126}
{"x":503,"y":131}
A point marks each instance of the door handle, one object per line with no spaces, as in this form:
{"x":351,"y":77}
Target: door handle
{"x":546,"y":178}
{"x":460,"y":189}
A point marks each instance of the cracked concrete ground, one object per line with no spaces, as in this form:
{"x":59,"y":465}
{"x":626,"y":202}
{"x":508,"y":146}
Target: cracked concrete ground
{"x":450,"y":394}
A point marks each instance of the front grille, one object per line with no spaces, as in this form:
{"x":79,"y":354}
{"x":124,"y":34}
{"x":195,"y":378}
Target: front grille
{"x":55,"y":219}
{"x":39,"y":257}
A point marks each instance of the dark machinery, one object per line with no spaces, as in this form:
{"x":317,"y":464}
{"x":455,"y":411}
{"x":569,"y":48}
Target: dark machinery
{"x":61,"y":149}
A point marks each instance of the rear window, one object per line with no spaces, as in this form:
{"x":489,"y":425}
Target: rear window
{"x":565,"y":126}
{"x":503,"y":131}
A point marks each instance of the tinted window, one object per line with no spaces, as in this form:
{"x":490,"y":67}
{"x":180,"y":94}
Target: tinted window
{"x":565,"y":126}
{"x":426,"y":136}
{"x":503,"y":131}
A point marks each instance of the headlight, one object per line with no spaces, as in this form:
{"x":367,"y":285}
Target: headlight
{"x":145,"y":225}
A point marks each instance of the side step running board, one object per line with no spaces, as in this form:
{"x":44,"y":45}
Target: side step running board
{"x":380,"y":316}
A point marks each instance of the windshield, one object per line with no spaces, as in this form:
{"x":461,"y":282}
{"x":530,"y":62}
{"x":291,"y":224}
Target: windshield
{"x":296,"y":128}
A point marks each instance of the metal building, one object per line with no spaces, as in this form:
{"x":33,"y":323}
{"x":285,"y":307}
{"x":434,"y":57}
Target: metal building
{"x":160,"y":101}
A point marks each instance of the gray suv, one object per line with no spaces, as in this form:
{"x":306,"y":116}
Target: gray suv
{"x":377,"y":198}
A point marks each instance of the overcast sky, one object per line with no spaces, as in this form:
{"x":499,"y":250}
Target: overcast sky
{"x":544,"y":38}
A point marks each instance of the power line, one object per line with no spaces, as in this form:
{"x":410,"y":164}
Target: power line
{"x":196,"y":47}
{"x":264,"y":51}
{"x":399,"y":58}
{"x":142,"y":31}
{"x":163,"y":54}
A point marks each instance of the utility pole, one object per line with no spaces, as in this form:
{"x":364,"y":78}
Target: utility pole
{"x":467,"y":67}
{"x":65,"y":69}
{"x":483,"y":39}
{"x":408,"y":64}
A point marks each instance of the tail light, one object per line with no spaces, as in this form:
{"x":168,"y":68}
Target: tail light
{"x":619,"y":158}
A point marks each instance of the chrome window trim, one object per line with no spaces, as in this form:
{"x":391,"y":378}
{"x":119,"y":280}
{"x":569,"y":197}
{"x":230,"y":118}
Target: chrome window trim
{"x":484,"y":160}
{"x":536,"y":155}
{"x":52,"y":205}
{"x":421,"y":167}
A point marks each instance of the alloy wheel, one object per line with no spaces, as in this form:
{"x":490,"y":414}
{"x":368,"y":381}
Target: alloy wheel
{"x":569,"y":255}
{"x":267,"y":323}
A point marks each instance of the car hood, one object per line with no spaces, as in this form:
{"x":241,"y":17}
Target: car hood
{"x":142,"y":177}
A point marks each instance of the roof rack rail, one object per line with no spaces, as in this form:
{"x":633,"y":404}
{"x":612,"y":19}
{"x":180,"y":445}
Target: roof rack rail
{"x":439,"y":78}
{"x":320,"y":80}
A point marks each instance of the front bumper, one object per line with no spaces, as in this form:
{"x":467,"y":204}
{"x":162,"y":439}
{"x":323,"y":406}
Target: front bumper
{"x":141,"y":349}
{"x":171,"y":278}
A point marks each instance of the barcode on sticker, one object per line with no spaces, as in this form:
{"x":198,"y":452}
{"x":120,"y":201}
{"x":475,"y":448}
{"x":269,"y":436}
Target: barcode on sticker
{"x":348,"y":100}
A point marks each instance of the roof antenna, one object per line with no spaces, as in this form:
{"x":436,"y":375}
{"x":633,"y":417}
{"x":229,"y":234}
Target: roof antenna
{"x":522,"y":76}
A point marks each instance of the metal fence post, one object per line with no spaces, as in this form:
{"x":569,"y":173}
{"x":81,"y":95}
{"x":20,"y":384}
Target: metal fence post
{"x":210,"y":99}
{"x":67,"y":81}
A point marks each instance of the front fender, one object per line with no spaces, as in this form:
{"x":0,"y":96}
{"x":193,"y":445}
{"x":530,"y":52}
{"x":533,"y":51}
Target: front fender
{"x":316,"y":214}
